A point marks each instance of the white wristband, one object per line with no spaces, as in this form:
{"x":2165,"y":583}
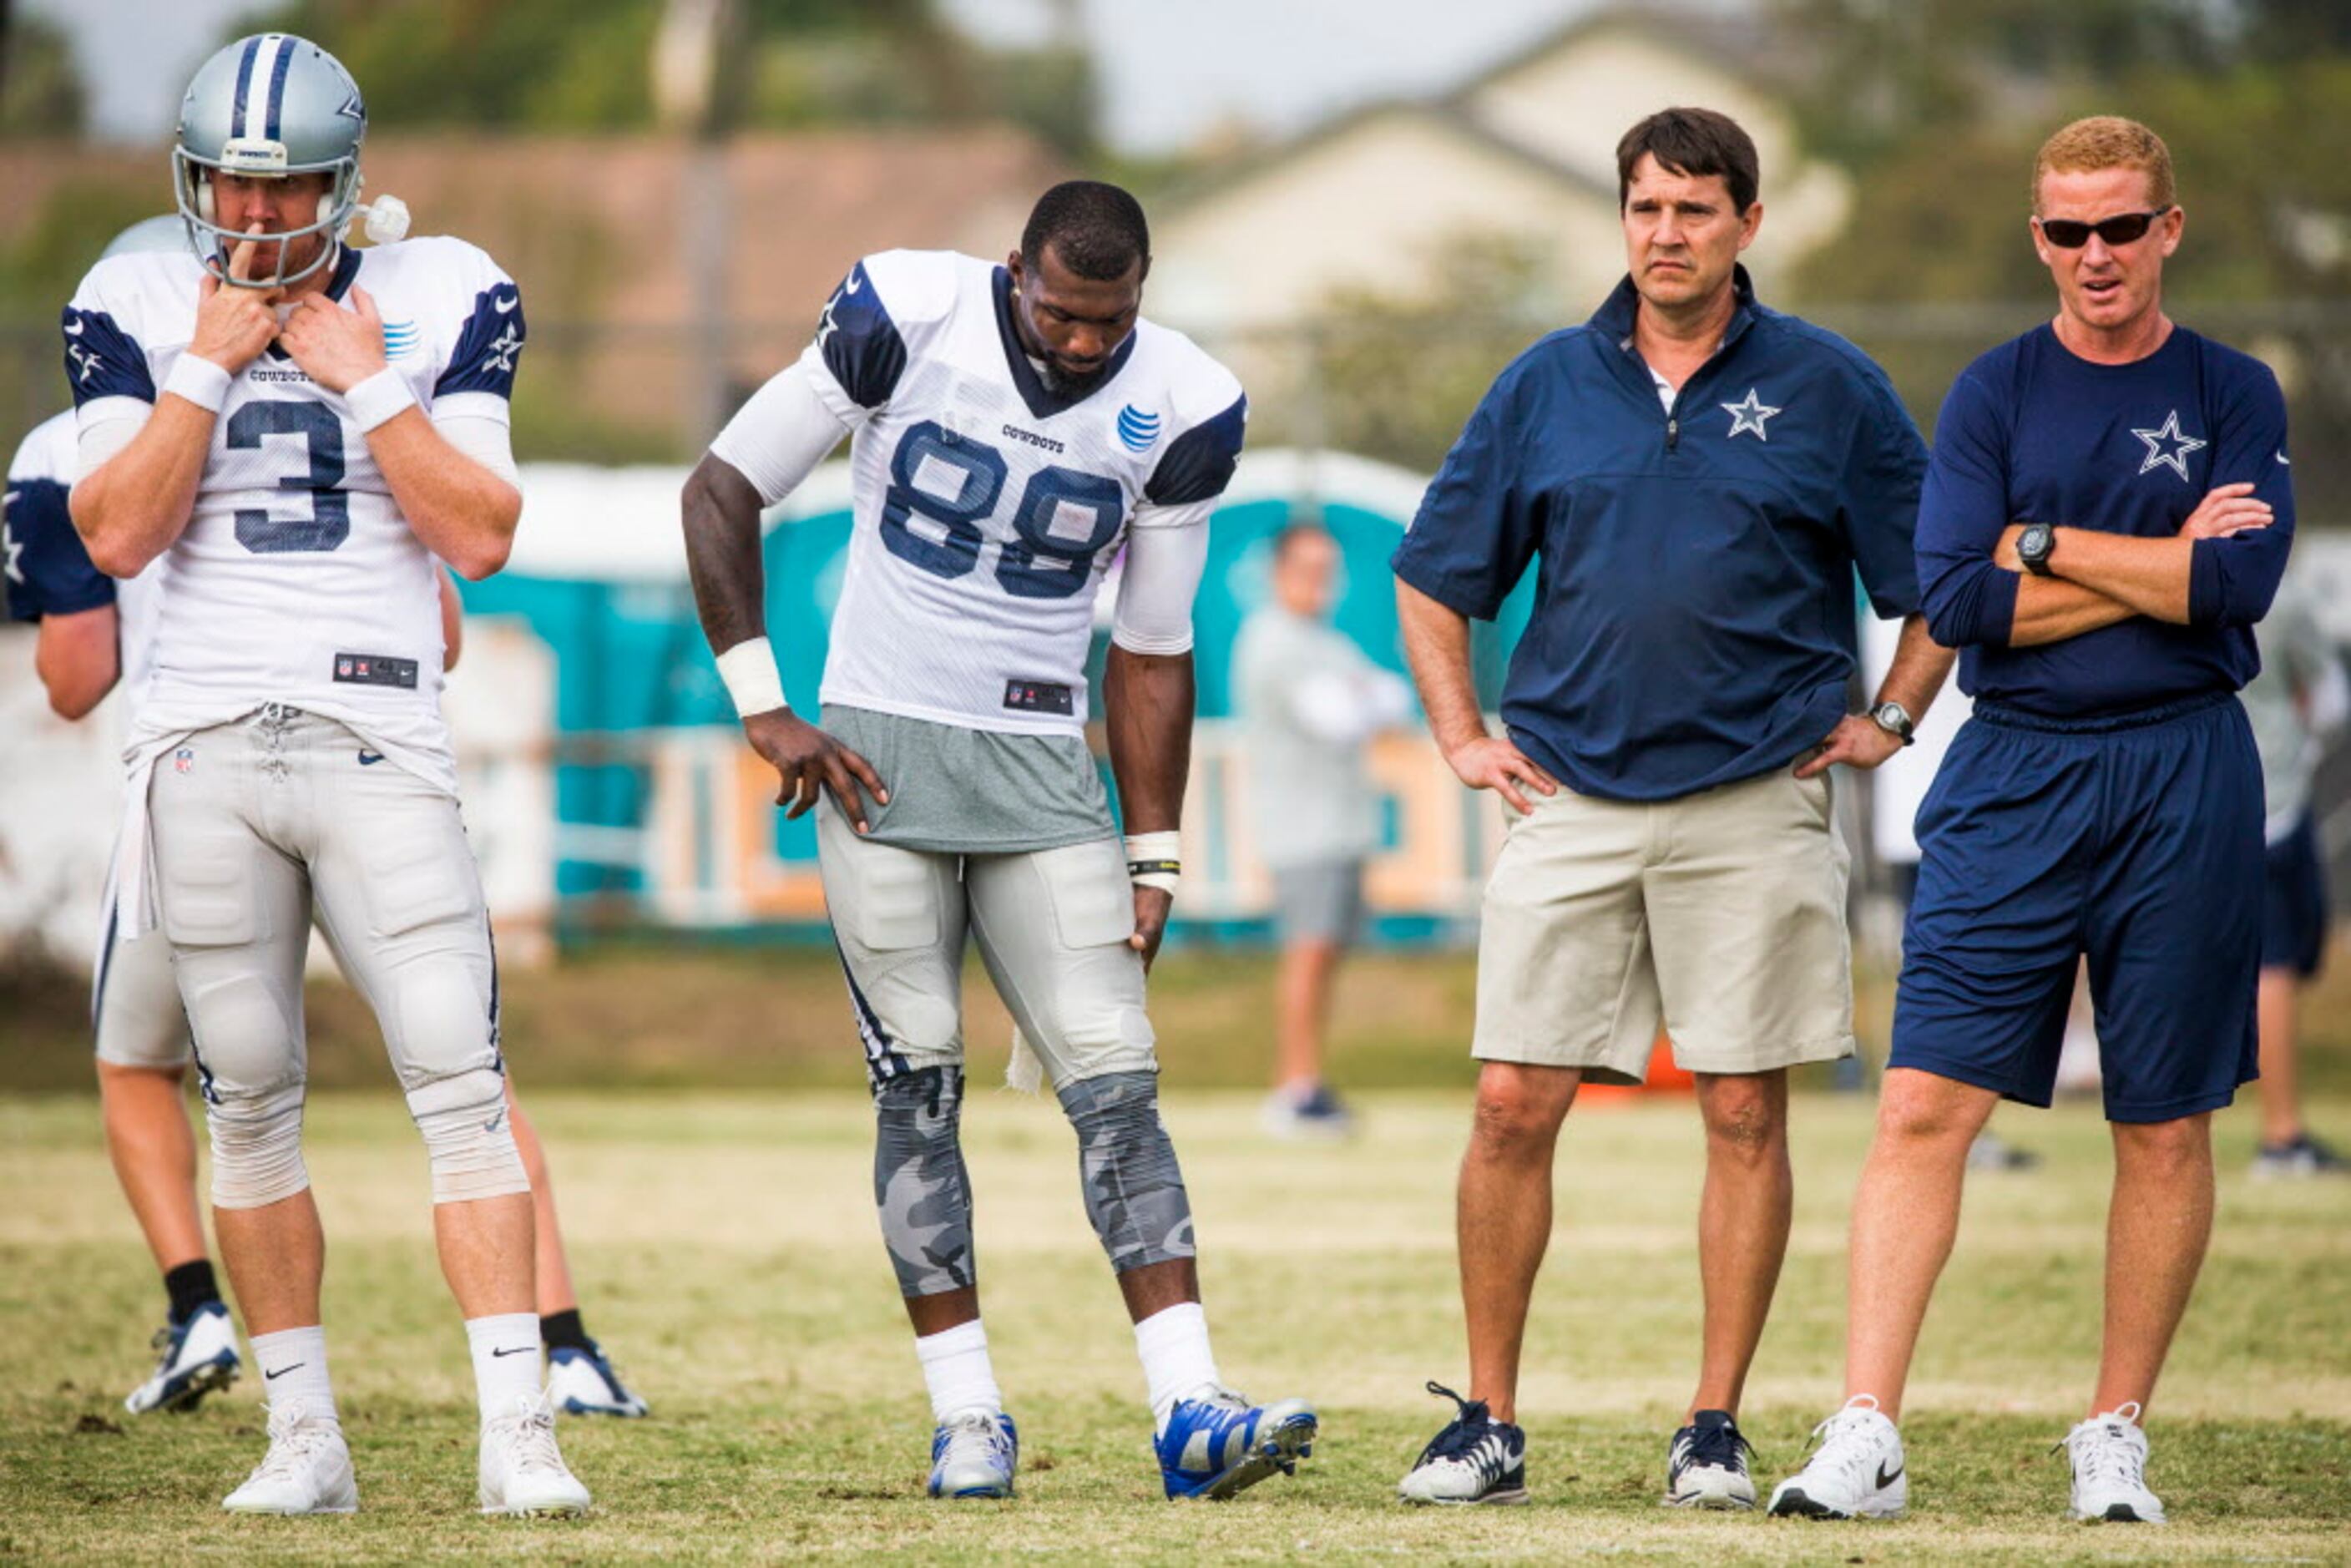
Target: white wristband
{"x":199,"y":381}
{"x":379,"y":400}
{"x":751,"y":677}
{"x":1155,"y":860}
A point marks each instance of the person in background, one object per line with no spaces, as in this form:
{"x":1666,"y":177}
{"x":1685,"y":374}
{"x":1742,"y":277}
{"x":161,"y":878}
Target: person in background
{"x":2299,"y":697}
{"x":1309,"y":700}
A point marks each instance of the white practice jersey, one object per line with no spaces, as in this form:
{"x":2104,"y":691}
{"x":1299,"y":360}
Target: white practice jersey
{"x":297,"y":579}
{"x":988,"y":507}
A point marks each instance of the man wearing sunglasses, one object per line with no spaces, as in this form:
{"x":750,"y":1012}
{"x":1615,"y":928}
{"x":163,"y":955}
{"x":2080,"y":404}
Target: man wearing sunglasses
{"x":2106,"y":516}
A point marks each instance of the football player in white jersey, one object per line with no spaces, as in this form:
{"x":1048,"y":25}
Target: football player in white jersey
{"x":96,"y":635}
{"x":1012,"y":428}
{"x":298,"y":430}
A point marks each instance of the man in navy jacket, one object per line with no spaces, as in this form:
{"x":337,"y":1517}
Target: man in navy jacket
{"x":1697,"y":480}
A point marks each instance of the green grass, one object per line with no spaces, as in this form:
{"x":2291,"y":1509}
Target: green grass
{"x":726,"y":1252}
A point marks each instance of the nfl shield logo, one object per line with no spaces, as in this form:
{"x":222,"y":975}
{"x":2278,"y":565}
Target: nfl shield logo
{"x":342,"y":669}
{"x":184,"y":759}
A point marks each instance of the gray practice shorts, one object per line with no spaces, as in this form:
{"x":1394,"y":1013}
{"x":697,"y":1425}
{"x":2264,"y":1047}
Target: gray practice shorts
{"x":275,"y":817}
{"x":1051,"y":926}
{"x":1319,"y":903}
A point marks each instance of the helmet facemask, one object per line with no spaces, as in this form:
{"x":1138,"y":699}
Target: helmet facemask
{"x":213,"y":244}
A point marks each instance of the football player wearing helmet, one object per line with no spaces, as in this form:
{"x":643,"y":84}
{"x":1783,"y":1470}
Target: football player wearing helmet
{"x":298,"y":433}
{"x":1012,"y":429}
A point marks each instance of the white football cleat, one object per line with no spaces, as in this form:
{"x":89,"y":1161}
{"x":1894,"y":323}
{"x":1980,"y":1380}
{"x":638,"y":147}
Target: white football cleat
{"x":1857,"y":1472}
{"x":307,"y":1471}
{"x":195,"y":1358}
{"x":2109,"y":1455}
{"x":522,"y":1471}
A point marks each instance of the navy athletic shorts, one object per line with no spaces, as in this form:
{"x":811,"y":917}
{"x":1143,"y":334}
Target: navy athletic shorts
{"x":2135,"y":841}
{"x":2293,"y":917}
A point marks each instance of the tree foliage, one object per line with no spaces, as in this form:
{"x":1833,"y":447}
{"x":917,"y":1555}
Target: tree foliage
{"x":583,"y":65}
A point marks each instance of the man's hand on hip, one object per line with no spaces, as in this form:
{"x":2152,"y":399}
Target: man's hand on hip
{"x":1857,"y":741}
{"x":1492,"y":762}
{"x":806,"y":760}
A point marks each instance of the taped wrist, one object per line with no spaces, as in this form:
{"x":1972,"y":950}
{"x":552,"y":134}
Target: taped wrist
{"x":469,"y":1136}
{"x":920,"y":1184}
{"x":1133,"y":1188}
{"x":752,"y":679}
{"x":1155,"y":859}
{"x":257,"y":1147}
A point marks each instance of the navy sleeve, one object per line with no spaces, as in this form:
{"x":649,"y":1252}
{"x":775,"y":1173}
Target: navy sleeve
{"x":48,"y":571}
{"x":104,"y":360}
{"x":1962,"y":511}
{"x":860,"y":344}
{"x":1879,"y":508}
{"x":1198,"y":464}
{"x":2230,"y":581}
{"x":1471,"y":539}
{"x":483,"y":359}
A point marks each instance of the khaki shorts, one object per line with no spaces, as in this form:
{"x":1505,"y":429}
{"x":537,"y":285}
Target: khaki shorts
{"x":1721,"y":913}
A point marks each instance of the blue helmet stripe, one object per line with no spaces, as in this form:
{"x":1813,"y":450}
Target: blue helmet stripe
{"x":277,"y":86}
{"x":245,"y":79}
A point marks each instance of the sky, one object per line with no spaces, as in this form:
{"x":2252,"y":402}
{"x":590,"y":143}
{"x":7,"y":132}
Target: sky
{"x":1172,"y":70}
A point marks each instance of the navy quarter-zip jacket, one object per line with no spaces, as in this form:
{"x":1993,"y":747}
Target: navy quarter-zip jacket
{"x":1693,"y":622}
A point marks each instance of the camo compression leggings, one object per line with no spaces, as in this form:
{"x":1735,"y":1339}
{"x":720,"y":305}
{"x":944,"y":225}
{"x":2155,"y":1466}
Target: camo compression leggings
{"x":1133,"y":1189}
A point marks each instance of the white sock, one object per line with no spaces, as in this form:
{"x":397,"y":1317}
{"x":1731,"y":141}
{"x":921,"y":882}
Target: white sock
{"x":293,"y":1365}
{"x":506,"y":1359}
{"x":956,"y":1369}
{"x":1176,"y":1361}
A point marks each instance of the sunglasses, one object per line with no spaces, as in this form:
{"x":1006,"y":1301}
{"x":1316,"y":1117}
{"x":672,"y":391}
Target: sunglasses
{"x":2072,"y":233}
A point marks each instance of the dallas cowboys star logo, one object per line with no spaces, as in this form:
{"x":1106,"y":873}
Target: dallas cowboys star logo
{"x":15,"y":546}
{"x":2167,"y":447}
{"x":1750,"y":415}
{"x":503,"y":349}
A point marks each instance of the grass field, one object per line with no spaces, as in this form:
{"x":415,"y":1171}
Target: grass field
{"x":727,"y":1255}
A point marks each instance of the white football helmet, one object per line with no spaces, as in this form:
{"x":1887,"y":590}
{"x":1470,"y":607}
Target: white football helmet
{"x":272,"y":104}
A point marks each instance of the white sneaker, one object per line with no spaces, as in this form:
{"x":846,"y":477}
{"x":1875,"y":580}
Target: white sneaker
{"x":1857,"y":1472}
{"x":194,"y":1358}
{"x":2109,"y":1455}
{"x":307,"y":1471}
{"x":582,"y":1382}
{"x":522,"y":1471}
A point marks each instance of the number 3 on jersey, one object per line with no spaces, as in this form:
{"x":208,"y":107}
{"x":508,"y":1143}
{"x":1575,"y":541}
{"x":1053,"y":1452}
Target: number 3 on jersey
{"x":329,"y":522}
{"x":1047,"y":559}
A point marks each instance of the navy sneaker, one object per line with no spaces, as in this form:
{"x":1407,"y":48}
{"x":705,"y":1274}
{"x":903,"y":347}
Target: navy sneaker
{"x":1220,"y":1446}
{"x":1706,"y":1466}
{"x":196,"y":1356}
{"x":1315,"y":1112}
{"x":1476,"y":1459}
{"x":2301,"y":1155}
{"x":975,"y":1453}
{"x":581,"y":1381}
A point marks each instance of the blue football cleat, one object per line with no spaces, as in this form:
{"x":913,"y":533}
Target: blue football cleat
{"x":196,"y":1357}
{"x":582,"y":1383}
{"x":975,"y":1453}
{"x":1223,"y":1444}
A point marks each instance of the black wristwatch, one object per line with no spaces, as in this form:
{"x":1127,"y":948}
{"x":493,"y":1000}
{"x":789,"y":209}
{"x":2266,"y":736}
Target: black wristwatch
{"x":1895,"y":720}
{"x":2032,"y":548}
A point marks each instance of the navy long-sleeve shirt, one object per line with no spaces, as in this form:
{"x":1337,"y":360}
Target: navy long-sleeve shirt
{"x":1694,"y":607}
{"x":2032,"y":433}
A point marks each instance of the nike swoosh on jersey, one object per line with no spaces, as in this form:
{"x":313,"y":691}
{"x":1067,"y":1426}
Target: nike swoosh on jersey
{"x":503,"y":305}
{"x":73,"y":328}
{"x":855,"y":282}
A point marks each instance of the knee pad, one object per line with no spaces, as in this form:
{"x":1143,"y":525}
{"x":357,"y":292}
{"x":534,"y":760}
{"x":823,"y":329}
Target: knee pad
{"x":1134,"y":1192}
{"x":469,"y":1136}
{"x":257,"y":1146}
{"x":919,"y":1181}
